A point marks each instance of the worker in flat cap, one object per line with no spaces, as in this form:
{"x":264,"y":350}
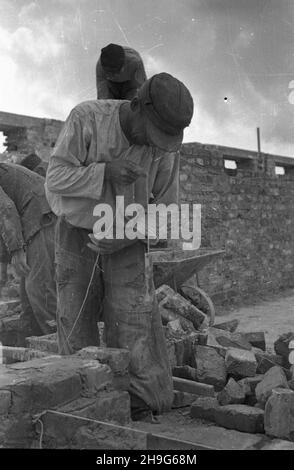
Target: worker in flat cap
{"x":106,"y":149}
{"x":119,"y":73}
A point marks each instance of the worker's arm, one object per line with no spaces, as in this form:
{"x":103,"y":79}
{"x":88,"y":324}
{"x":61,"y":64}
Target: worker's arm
{"x":10,"y":224}
{"x":11,"y":234}
{"x":67,"y":173}
{"x":103,"y":92}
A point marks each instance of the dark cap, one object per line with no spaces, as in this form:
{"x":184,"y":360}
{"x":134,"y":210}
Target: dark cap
{"x":31,"y":161}
{"x":168,"y":107}
{"x":112,"y":57}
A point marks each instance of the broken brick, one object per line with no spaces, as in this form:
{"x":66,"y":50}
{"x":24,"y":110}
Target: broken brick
{"x":240,"y":417}
{"x":232,"y":393}
{"x":210,"y":366}
{"x":274,"y":378}
{"x":240,"y":363}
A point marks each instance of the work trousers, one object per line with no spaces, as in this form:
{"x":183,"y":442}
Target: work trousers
{"x":112,"y":288}
{"x":38,"y":288}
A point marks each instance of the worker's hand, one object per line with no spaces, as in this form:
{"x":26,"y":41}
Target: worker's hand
{"x":19,"y":263}
{"x":107,"y":247}
{"x":123,"y":172}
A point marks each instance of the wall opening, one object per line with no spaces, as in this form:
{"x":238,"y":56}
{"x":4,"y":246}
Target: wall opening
{"x":230,"y":167}
{"x":280,"y":170}
{"x":2,"y":140}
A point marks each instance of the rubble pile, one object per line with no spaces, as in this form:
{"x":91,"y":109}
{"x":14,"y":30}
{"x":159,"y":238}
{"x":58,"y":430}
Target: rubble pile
{"x":249,"y":388}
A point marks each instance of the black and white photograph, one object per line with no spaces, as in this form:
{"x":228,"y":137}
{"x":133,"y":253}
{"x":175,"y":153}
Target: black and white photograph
{"x":146,"y":230}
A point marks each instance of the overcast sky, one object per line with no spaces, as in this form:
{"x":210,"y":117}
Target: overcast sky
{"x":235,"y":56}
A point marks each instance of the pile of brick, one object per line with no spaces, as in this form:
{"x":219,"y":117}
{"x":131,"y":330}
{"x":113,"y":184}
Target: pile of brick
{"x":232,"y":378}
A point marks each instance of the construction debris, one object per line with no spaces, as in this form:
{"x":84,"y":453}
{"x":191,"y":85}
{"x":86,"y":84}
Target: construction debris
{"x":279,"y":414}
{"x":231,"y":394}
{"x":274,"y":378}
{"x":240,"y":363}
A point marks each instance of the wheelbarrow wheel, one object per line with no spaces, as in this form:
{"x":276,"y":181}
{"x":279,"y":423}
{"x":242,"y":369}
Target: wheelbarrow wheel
{"x":202,"y":301}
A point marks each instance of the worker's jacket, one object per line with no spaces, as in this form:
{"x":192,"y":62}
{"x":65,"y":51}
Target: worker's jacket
{"x":24,"y":209}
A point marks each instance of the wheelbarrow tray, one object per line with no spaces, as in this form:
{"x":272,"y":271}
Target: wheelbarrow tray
{"x":175,"y":267}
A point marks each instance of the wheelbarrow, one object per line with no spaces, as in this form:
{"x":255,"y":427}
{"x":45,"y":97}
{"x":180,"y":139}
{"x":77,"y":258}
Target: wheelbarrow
{"x":175,"y":267}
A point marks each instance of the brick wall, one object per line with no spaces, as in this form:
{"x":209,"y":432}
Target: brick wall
{"x":250,"y":215}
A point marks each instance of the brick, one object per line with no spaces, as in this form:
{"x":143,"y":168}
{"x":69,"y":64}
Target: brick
{"x":266,"y":360}
{"x":230,"y":326}
{"x":47,"y":343}
{"x":279,"y":415}
{"x":117,"y":359}
{"x":256,"y":339}
{"x":240,"y":417}
{"x":210,"y":366}
{"x":227,"y":339}
{"x":195,"y":388}
{"x":249,"y":384}
{"x":185,"y":372}
{"x":51,"y":381}
{"x":274,"y":378}
{"x":204,"y":408}
{"x":177,"y":304}
{"x":240,"y":363}
{"x":232,"y":393}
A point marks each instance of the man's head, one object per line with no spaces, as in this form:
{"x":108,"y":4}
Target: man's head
{"x":112,"y":58}
{"x":161,"y":111}
{"x":31,"y":161}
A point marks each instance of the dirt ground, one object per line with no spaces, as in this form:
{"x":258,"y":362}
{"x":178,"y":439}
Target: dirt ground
{"x":274,"y":316}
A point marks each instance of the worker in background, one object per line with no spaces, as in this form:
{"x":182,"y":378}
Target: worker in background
{"x":119,"y":73}
{"x":34,"y":163}
{"x":27,"y":230}
{"x":104,"y":150}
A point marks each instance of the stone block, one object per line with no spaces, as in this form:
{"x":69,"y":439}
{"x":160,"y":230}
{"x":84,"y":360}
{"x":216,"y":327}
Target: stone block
{"x":185,"y":372}
{"x":189,"y":386}
{"x":117,"y":359}
{"x":204,"y":408}
{"x":266,"y":360}
{"x":256,"y":339}
{"x":51,"y":381}
{"x":227,"y":339}
{"x":231,"y":394}
{"x":240,"y":363}
{"x":176,"y":304}
{"x":274,"y":378}
{"x":249,"y":384}
{"x":47,"y":343}
{"x":279,"y":414}
{"x":230,"y":326}
{"x":210,"y":366}
{"x":240,"y":417}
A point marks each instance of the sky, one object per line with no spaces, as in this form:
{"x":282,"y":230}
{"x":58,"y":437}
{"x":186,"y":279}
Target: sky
{"x":235,"y":56}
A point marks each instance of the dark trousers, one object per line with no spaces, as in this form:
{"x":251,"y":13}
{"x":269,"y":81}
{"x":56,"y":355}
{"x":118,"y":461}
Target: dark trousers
{"x":38,"y":289}
{"x":114,"y":290}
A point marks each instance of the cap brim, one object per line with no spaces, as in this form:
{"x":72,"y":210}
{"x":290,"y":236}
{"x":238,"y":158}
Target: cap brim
{"x":162,"y":140}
